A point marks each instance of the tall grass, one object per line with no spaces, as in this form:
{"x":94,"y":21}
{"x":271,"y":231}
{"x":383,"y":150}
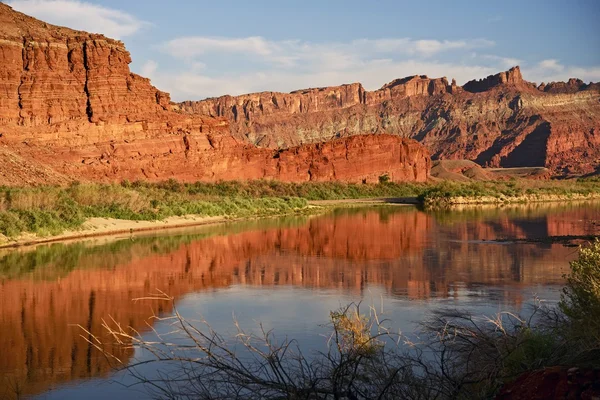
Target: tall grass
{"x":52,"y":210}
{"x":49,"y":210}
{"x":448,"y":192}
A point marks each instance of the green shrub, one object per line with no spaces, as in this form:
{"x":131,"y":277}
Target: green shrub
{"x":580,"y":300}
{"x":385,"y":178}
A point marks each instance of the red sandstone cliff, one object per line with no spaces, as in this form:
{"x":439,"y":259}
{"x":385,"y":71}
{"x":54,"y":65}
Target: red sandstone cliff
{"x":499,"y":121}
{"x":71,"y":109}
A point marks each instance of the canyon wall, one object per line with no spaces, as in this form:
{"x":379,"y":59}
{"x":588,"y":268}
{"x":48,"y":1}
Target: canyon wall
{"x":498,"y":121}
{"x":71,"y":109}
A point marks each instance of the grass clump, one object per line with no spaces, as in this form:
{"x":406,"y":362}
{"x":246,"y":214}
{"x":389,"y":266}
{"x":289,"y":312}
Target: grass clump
{"x":512,"y":191}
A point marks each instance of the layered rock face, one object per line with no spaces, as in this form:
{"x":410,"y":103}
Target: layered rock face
{"x":499,"y":121}
{"x":71,"y":109}
{"x":212,"y":157}
{"x":354,"y":159}
{"x":53,"y":77}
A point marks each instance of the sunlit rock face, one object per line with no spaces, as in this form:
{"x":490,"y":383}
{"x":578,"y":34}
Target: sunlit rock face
{"x":498,"y":121}
{"x":71,"y":109}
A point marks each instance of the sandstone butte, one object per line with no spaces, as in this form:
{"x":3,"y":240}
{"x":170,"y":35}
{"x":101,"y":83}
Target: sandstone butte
{"x":71,"y":109}
{"x":499,"y":121}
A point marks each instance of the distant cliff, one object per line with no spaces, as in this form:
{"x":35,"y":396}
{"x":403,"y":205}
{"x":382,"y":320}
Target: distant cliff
{"x":498,"y":121}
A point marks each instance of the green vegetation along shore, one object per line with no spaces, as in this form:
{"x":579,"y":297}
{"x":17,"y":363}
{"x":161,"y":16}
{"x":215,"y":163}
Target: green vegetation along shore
{"x":51,"y":210}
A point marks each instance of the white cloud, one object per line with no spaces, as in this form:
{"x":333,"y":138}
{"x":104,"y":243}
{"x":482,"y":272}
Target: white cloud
{"x":149,"y":68}
{"x":193,"y":46}
{"x":553,"y":71}
{"x":430,"y":47}
{"x":506,"y":62}
{"x":292,"y":52}
{"x":551,"y":65}
{"x":214,"y":66}
{"x":81,"y":15}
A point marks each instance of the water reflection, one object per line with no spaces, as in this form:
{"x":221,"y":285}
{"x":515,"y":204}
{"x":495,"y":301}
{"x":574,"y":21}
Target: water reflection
{"x":408,"y":254}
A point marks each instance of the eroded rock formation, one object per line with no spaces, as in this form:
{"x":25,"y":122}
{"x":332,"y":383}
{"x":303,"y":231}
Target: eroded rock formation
{"x":499,"y":121}
{"x":71,"y":109}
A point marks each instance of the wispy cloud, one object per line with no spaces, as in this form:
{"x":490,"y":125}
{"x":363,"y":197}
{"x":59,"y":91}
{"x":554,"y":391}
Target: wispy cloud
{"x":193,"y":46}
{"x":214,"y":66}
{"x":82,"y":16}
{"x":149,"y":68}
{"x":552,"y":70}
{"x":249,"y":64}
{"x":506,"y":62}
{"x":290,"y":51}
{"x":551,"y":65}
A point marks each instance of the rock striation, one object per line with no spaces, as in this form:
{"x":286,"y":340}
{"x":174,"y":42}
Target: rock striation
{"x":498,"y":121}
{"x":71,"y":109}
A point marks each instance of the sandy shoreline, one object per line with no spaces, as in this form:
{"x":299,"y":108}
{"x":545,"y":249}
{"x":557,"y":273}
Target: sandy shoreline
{"x":96,"y":227}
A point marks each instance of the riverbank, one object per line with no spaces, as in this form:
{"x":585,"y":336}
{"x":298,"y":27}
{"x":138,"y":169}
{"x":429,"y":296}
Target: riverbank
{"x":97,"y":227}
{"x":104,"y":227}
{"x":448,"y":193}
{"x":50,"y":213}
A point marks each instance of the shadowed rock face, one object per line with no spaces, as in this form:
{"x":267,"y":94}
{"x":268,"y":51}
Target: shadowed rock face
{"x":553,"y":383}
{"x":71,"y":109}
{"x":489,"y":121}
{"x":408,"y":253}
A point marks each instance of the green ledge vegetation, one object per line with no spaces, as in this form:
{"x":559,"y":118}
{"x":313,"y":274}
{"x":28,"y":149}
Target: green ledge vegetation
{"x":449,"y":193}
{"x":51,"y":210}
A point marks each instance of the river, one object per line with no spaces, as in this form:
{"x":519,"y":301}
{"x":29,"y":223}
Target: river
{"x":286,"y":273}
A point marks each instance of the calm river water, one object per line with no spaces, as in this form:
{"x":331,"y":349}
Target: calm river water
{"x":286,"y":273}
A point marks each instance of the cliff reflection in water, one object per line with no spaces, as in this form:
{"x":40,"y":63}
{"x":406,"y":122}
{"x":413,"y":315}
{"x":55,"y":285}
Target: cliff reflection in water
{"x":46,"y":292}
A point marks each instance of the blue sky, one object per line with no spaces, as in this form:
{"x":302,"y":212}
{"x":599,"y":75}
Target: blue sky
{"x":198,"y":49}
